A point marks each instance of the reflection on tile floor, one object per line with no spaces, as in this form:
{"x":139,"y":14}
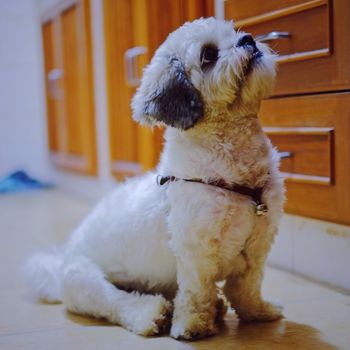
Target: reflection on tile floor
{"x":316,"y":317}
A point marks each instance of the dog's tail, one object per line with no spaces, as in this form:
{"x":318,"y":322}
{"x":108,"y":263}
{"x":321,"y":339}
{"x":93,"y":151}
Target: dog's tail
{"x":43,"y":273}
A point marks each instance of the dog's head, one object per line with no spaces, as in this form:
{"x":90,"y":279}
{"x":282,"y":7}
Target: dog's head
{"x":202,"y":63}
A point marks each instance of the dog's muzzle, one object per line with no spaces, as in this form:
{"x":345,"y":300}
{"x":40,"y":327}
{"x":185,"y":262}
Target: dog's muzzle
{"x":248,"y":43}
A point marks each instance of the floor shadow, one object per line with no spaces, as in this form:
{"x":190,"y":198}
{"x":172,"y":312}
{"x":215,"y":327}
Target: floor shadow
{"x":277,"y":335}
{"x":85,"y":320}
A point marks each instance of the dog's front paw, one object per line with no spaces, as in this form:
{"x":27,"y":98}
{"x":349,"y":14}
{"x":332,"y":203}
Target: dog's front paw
{"x":194,"y":326}
{"x":150,"y":315}
{"x":263,"y":312}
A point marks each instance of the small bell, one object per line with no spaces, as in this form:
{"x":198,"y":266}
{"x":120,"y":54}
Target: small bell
{"x":261,"y":209}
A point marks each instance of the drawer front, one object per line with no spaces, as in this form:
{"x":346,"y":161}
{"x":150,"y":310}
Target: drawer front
{"x":306,"y":153}
{"x":242,"y":9}
{"x":315,"y":130}
{"x":308,"y":30}
{"x":315,"y":56}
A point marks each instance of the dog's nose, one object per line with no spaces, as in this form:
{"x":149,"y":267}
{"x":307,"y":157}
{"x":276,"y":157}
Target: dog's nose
{"x":246,"y":41}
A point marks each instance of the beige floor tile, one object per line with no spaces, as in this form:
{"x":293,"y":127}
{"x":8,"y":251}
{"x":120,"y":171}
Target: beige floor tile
{"x":278,"y":285}
{"x":34,"y":221}
{"x":92,"y":337}
{"x":22,"y":313}
{"x":316,"y":317}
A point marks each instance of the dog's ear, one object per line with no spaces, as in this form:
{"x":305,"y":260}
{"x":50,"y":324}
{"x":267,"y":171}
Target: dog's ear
{"x":166,"y":95}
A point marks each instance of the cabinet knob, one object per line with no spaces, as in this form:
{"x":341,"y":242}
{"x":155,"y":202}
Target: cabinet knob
{"x":131,"y":66}
{"x":272,"y":36}
{"x":53,"y":76}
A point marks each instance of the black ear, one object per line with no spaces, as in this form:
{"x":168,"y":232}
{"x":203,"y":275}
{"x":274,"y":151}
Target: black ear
{"x":174,"y":101}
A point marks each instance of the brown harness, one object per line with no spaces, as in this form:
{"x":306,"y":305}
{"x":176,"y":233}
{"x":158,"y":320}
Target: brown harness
{"x":254,"y":193}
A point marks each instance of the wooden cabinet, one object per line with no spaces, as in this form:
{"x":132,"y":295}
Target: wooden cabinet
{"x":69,"y":89}
{"x":133,"y":31}
{"x":308,"y":117}
{"x":311,"y":37}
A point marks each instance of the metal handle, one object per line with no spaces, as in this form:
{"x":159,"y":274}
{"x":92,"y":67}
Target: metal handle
{"x":272,"y":36}
{"x":130,"y":64}
{"x":53,"y":76}
{"x":284,"y":155}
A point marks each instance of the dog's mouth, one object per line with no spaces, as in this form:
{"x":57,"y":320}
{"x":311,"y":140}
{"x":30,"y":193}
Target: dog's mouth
{"x":248,"y":67}
{"x":253,"y":61}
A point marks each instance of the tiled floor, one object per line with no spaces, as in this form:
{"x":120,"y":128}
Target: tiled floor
{"x":316,"y":317}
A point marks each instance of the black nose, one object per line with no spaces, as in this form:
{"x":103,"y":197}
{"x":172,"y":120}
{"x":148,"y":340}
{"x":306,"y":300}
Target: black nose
{"x":246,"y":40}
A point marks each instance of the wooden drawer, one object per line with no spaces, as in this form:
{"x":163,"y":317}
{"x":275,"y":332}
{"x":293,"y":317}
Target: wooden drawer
{"x":309,"y":33}
{"x":316,"y":130}
{"x":242,"y":9}
{"x":306,"y":153}
{"x":315,"y":57}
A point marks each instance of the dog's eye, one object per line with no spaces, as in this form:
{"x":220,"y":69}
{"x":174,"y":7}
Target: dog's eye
{"x":209,"y":56}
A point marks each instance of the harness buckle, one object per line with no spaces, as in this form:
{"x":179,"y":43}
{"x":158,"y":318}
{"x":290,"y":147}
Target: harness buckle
{"x":161,"y":180}
{"x":261,"y":209}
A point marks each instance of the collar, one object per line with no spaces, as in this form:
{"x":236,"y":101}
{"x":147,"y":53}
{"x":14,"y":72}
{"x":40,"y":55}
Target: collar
{"x":255,"y":194}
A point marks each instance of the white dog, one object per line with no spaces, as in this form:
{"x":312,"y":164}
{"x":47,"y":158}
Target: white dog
{"x":159,"y":243}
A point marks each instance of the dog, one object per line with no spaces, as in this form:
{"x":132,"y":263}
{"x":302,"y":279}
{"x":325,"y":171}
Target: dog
{"x":149,"y":256}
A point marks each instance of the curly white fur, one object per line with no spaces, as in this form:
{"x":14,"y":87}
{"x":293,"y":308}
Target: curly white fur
{"x":145,"y":244}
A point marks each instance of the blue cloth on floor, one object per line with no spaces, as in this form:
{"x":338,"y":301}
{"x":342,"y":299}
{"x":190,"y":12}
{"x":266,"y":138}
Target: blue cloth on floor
{"x":21,"y":181}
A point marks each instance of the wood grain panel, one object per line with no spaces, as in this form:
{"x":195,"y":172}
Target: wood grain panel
{"x":144,"y":32}
{"x":119,"y":38}
{"x":309,"y":31}
{"x":71,"y":63}
{"x":310,"y":152}
{"x":242,"y":9}
{"x":323,"y":68}
{"x":49,"y":62}
{"x":130,"y":24}
{"x":279,"y":13}
{"x":86,"y":87}
{"x":331,"y":202}
{"x":199,"y":8}
{"x":170,"y":14}
{"x":73,"y":107}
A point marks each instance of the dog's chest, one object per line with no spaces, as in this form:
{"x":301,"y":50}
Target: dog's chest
{"x":240,"y":226}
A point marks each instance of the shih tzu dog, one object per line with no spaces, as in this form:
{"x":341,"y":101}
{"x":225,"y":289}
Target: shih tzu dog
{"x":149,"y":255}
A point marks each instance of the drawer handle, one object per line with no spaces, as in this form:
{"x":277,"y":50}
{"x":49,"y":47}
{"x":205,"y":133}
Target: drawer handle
{"x":130,"y":64}
{"x":272,"y":36}
{"x":284,"y":155}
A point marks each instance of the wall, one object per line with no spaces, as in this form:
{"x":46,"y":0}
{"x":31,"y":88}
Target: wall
{"x":23,"y":135}
{"x":22,"y":122}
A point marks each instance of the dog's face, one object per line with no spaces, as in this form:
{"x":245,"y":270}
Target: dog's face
{"x":205,"y":62}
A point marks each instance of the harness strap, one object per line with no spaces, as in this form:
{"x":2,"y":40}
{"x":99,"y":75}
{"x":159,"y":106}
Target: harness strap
{"x":254,"y":193}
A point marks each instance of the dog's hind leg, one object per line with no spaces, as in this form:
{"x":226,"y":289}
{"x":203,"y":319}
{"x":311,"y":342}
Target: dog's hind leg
{"x":87,"y":291}
{"x":243,"y":289}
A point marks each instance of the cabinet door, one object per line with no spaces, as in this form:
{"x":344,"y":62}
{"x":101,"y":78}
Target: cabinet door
{"x":68,"y":68}
{"x":310,"y":36}
{"x":137,"y":27}
{"x":122,"y":129}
